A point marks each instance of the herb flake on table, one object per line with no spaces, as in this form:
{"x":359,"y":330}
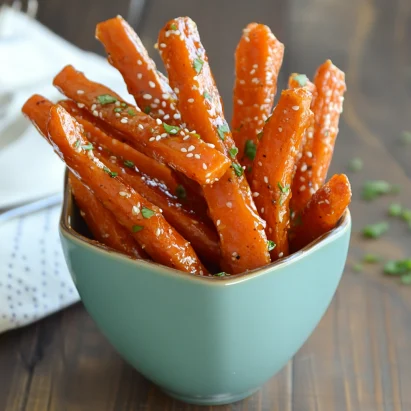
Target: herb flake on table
{"x":375,"y":230}
{"x":395,"y":210}
{"x":376,"y":188}
{"x":371,"y":258}
{"x":356,"y":164}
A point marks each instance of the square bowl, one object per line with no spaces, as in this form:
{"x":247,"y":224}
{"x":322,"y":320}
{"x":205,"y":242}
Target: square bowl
{"x":204,"y":340}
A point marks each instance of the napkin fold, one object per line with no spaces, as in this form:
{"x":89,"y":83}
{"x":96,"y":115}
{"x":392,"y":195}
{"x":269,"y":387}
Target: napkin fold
{"x":34,"y":280}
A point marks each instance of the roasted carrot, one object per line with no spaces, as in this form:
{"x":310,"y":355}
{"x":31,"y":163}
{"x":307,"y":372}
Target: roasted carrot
{"x":322,"y":212}
{"x":313,"y":166}
{"x":199,"y":103}
{"x":102,"y":223}
{"x":274,"y":165}
{"x":258,"y":60}
{"x":37,"y":110}
{"x":179,"y":149}
{"x":150,"y":229}
{"x":129,"y":56}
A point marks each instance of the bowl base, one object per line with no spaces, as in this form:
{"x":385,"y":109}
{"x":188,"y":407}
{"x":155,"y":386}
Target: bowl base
{"x":218,"y":399}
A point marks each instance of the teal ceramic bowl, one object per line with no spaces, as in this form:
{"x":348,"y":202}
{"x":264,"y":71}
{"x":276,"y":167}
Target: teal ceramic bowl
{"x":204,"y":340}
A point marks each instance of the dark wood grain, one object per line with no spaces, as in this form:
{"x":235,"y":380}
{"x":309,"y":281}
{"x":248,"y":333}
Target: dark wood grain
{"x":358,"y":359}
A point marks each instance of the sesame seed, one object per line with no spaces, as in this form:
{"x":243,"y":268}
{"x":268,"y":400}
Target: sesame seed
{"x":204,"y":166}
{"x":163,"y":104}
{"x":267,"y":100}
{"x":247,"y":39}
{"x":135,"y":210}
{"x":295,"y":108}
{"x":229,"y":204}
{"x":161,"y":112}
{"x":252,"y":71}
{"x":151,"y":139}
{"x":157,"y":101}
{"x":281,"y":254}
{"x":139,"y":62}
{"x":158,"y":232}
{"x":183,"y":149}
{"x":124,"y":194}
{"x":152,"y":84}
{"x":242,"y":81}
{"x":163,"y":45}
{"x":177,"y":116}
{"x":304,"y":167}
{"x":93,"y":107}
{"x":208,"y":181}
{"x":309,"y":154}
{"x":139,"y":76}
{"x":327,"y":201}
{"x":256,"y":118}
{"x":80,"y":105}
{"x":255,"y":80}
{"x":302,"y":179}
{"x":197,"y":156}
{"x":166,"y":96}
{"x":141,"y":127}
{"x":240,"y":102}
{"x":217,"y":223}
{"x":256,"y":194}
{"x":302,"y":188}
{"x":164,"y":135}
{"x":176,"y":90}
{"x":95,"y":113}
{"x":124,"y":120}
{"x":312,"y":191}
{"x":266,"y":179}
{"x":260,"y":163}
{"x":190,"y":100}
{"x":80,"y":91}
{"x":158,"y":138}
{"x":262,"y":210}
{"x":182,"y":132}
{"x":211,"y":145}
{"x":191,"y":148}
{"x":158,"y":121}
{"x":147,"y":96}
{"x":166,"y":117}
{"x":280,"y":129}
{"x":190,"y":155}
{"x":186,"y":138}
{"x":153,"y":105}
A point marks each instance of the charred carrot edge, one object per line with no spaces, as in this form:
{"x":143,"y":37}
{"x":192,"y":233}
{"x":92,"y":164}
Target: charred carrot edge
{"x":313,"y":166}
{"x":322,"y":212}
{"x":258,"y":60}
{"x":179,"y":149}
{"x":102,"y":223}
{"x":129,"y":56}
{"x":150,"y":229}
{"x":274,"y":165}
{"x":199,"y":103}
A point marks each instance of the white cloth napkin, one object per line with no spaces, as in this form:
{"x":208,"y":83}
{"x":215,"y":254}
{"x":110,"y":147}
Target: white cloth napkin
{"x":34,"y":280}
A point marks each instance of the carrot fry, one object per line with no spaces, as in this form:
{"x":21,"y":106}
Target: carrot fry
{"x":150,"y":229}
{"x":274,"y":164}
{"x":229,"y":200}
{"x":129,"y":56}
{"x":313,"y":165}
{"x":258,"y":60}
{"x":183,"y":152}
{"x":102,"y":223}
{"x":322,"y":212}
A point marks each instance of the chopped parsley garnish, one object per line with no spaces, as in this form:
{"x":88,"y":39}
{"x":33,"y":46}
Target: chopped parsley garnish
{"x":222,"y":274}
{"x":376,"y":188}
{"x":301,"y":79}
{"x":207,"y":96}
{"x":250,"y":149}
{"x":112,"y":174}
{"x":131,"y":112}
{"x":356,"y":164}
{"x":173,"y":26}
{"x":233,"y":152}
{"x":106,"y":99}
{"x":406,"y":215}
{"x":147,"y":109}
{"x":123,"y":104}
{"x":77,"y":143}
{"x":181,"y":192}
{"x":406,"y":279}
{"x":284,"y":189}
{"x":171,"y":129}
{"x":271,"y":245}
{"x":358,"y":267}
{"x":371,"y":258}
{"x":238,"y":170}
{"x":147,"y":213}
{"x":87,"y":147}
{"x":375,"y":230}
{"x":198,"y":65}
{"x":395,"y":210}
{"x":128,"y":163}
{"x":406,"y":137}
{"x":260,"y":135}
{"x":222,"y":130}
{"x":137,"y":228}
{"x":118,"y":109}
{"x":196,"y":135}
{"x":398,"y":267}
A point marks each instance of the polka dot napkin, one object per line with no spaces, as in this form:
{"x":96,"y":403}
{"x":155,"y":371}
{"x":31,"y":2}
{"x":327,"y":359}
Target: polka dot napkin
{"x":34,"y":279}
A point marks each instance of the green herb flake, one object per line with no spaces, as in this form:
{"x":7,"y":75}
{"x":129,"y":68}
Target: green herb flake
{"x":77,"y":143}
{"x":222,"y":130}
{"x":196,"y":135}
{"x":181,"y":192}
{"x":301,"y":79}
{"x":395,"y":210}
{"x":87,"y":147}
{"x":284,"y":189}
{"x":112,"y":174}
{"x":222,"y":274}
{"x":106,"y":99}
{"x":137,"y":228}
{"x":173,"y":130}
{"x":147,"y":109}
{"x":118,"y":109}
{"x":123,"y":104}
{"x":173,"y":26}
{"x":147,"y":213}
{"x":405,"y":137}
{"x":131,"y":112}
{"x":128,"y":163}
{"x":357,"y":267}
{"x":207,"y":96}
{"x":398,"y":267}
{"x":198,"y":65}
{"x":375,"y":230}
{"x":271,"y":245}
{"x":260,"y":135}
{"x":373,"y":189}
{"x":406,"y":279}
{"x":406,"y":215}
{"x":233,"y":152}
{"x":238,"y":170}
{"x":371,"y":258}
{"x":356,"y":164}
{"x":250,"y":149}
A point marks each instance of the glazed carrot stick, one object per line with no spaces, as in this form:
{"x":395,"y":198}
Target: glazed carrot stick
{"x":199,"y":103}
{"x":102,"y":223}
{"x":37,"y":110}
{"x":274,"y":165}
{"x":129,"y":56}
{"x":150,"y":229}
{"x":168,"y":144}
{"x":167,"y":179}
{"x":258,"y":60}
{"x":322,"y":212}
{"x":313,"y":166}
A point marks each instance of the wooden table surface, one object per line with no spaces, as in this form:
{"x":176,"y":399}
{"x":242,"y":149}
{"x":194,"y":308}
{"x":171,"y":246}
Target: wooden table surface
{"x":359,"y":357}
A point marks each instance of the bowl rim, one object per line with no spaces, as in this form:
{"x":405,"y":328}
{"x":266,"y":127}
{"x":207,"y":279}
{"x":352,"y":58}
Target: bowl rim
{"x":70,"y":233}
